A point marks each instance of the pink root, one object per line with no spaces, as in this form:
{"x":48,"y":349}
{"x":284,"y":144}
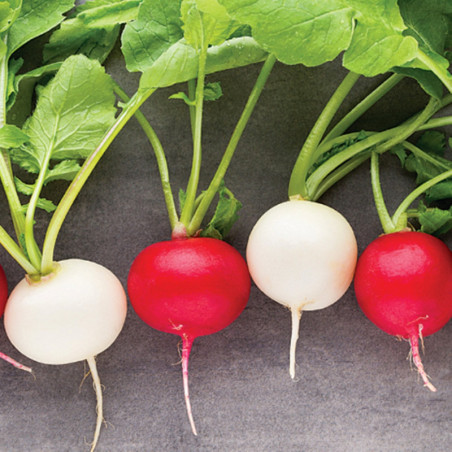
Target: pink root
{"x":15,"y":363}
{"x":414,"y":342}
{"x":187,"y":343}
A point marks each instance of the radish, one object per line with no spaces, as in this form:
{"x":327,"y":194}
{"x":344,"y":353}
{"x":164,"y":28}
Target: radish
{"x":3,"y":290}
{"x":70,"y":315}
{"x":3,"y":299}
{"x":403,"y":278}
{"x":72,"y":310}
{"x":403,"y":285}
{"x":302,"y":254}
{"x":194,"y":284}
{"x":75,"y":121}
{"x":310,"y":33}
{"x":189,"y":287}
{"x":305,"y":259}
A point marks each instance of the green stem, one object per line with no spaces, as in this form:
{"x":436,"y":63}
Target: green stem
{"x":383,"y":140}
{"x":327,"y":145}
{"x":437,"y":123}
{"x":411,"y":126}
{"x":160,"y":157}
{"x":405,"y":204}
{"x":192,"y":186}
{"x":74,"y":188}
{"x":211,"y":191}
{"x":337,"y":160}
{"x":382,"y":210}
{"x":442,"y":74}
{"x":9,"y":187}
{"x":363,"y":106}
{"x":297,"y":183}
{"x":16,"y":252}
{"x":6,"y":175}
{"x":30,"y":242}
{"x":3,"y":86}
{"x":340,"y":173}
{"x":192,"y":108}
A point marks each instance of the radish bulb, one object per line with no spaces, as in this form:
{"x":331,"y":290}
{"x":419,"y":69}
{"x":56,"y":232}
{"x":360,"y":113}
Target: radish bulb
{"x":302,"y":254}
{"x":70,"y":315}
{"x":403,"y":284}
{"x":190,"y":287}
{"x":3,"y":299}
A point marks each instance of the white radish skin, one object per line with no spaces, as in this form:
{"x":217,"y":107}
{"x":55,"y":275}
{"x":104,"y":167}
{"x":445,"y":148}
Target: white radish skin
{"x":72,"y":315}
{"x":69,"y":316}
{"x":302,"y":254}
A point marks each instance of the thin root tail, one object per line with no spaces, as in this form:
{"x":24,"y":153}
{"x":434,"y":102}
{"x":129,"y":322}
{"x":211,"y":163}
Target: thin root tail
{"x":16,"y":364}
{"x":414,"y":342}
{"x":99,"y":407}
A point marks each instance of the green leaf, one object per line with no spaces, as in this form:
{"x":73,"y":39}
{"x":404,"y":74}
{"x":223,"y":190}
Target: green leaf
{"x":157,"y":27}
{"x":65,"y":170}
{"x":439,"y":192}
{"x":9,"y":10}
{"x":399,"y":151}
{"x":36,"y":18}
{"x":428,"y":81}
{"x":182,"y":96}
{"x":72,"y":114}
{"x":285,"y":28}
{"x":3,"y":49}
{"x":27,"y":189}
{"x":22,"y":187}
{"x":225,"y":215}
{"x":430,"y":23}
{"x":92,"y":31}
{"x":433,"y":142}
{"x":428,"y":160}
{"x":434,"y":220}
{"x":107,"y":13}
{"x":44,"y":204}
{"x":336,"y":149}
{"x":180,"y":62}
{"x":11,"y":137}
{"x":22,"y":88}
{"x":206,"y":22}
{"x":433,"y":163}
{"x":313,"y":32}
{"x":376,"y":49}
{"x":212,"y":91}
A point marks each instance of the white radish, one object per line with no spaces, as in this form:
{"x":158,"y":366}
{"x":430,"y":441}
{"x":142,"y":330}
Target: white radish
{"x":302,"y":254}
{"x":70,"y":315}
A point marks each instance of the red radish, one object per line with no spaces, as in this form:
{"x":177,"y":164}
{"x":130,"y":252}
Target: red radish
{"x":3,"y":290}
{"x":403,"y":284}
{"x":190,"y":287}
{"x":3,"y":298}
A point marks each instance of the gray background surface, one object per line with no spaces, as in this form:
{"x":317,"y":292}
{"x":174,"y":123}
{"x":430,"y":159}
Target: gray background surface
{"x":355,"y":390}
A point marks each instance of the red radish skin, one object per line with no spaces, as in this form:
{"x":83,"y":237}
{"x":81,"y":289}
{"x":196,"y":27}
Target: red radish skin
{"x":3,"y":299}
{"x":189,"y":287}
{"x":3,"y":290}
{"x":403,"y":285}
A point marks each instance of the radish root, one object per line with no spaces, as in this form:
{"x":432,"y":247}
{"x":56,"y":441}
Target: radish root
{"x":187,"y":343}
{"x":99,"y":407}
{"x":16,"y":364}
{"x":296,"y":316}
{"x":414,"y":343}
